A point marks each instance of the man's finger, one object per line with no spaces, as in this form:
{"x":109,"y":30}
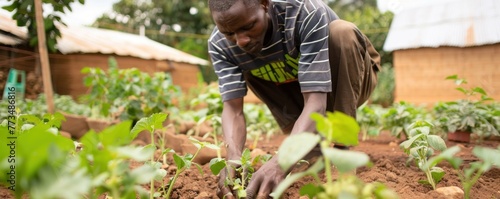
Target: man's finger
{"x":264,"y":190}
{"x":253,"y":187}
{"x":225,"y":192}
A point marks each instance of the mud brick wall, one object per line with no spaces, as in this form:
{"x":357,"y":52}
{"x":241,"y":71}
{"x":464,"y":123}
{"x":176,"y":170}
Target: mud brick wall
{"x":420,"y":73}
{"x":68,"y":80}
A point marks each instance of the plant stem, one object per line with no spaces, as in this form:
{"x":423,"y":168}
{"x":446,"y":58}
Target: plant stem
{"x":328,"y":168}
{"x":467,"y":184}
{"x":170,"y":188}
{"x":152,"y":183}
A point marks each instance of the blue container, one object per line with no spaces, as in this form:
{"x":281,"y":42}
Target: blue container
{"x":17,"y":80}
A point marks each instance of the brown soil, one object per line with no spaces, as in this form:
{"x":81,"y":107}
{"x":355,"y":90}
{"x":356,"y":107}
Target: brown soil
{"x":389,"y":167}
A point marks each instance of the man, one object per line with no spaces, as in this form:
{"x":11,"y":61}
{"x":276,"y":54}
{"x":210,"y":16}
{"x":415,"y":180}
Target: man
{"x":298,"y":58}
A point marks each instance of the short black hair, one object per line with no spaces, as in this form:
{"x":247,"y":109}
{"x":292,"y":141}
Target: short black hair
{"x":224,"y":5}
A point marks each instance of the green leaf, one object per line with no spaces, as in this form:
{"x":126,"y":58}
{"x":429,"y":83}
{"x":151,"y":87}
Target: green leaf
{"x":116,"y":135}
{"x":437,"y":174}
{"x":346,"y":161}
{"x":436,"y":142}
{"x":179,"y":162}
{"x":216,"y":165}
{"x":136,"y":153}
{"x":407,"y":143}
{"x":479,"y":90}
{"x":289,"y":153}
{"x":488,"y":155}
{"x":150,"y":123}
{"x":448,"y":155}
{"x":143,"y":174}
{"x":310,"y":190}
{"x":283,"y":186}
{"x":344,"y":128}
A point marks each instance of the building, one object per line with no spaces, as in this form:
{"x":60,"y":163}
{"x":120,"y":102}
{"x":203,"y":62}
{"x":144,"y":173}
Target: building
{"x":431,"y":40}
{"x":81,"y":47}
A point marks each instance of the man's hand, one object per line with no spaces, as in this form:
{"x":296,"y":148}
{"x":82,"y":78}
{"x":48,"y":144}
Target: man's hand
{"x":265,"y":180}
{"x":224,"y":191}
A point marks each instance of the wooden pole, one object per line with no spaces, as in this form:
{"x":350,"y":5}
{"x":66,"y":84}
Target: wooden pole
{"x":44,"y":57}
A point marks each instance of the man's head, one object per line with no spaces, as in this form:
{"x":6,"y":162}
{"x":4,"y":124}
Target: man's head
{"x":243,"y":22}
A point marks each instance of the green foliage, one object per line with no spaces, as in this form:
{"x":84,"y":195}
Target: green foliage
{"x":369,"y":119}
{"x":488,"y":158}
{"x":400,"y":116}
{"x":160,"y":19}
{"x":127,"y":94}
{"x":47,"y":165}
{"x":244,"y":167}
{"x":420,"y":146}
{"x":260,"y":122}
{"x":333,"y":128}
{"x":374,"y":24}
{"x":24,"y":14}
{"x":383,"y":93}
{"x":468,"y":115}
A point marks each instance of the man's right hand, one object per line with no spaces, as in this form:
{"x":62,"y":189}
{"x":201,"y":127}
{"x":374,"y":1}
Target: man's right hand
{"x":223,"y":191}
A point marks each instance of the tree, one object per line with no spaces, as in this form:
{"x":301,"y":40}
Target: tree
{"x":24,"y":14}
{"x":182,"y":24}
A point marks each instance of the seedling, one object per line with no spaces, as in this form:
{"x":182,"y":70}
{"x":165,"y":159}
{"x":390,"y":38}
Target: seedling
{"x":368,"y":116}
{"x":334,"y":128}
{"x":488,"y":158}
{"x":244,"y":167}
{"x":420,"y":146}
{"x":400,"y":116}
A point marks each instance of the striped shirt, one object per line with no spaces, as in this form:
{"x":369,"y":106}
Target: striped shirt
{"x":298,"y":50}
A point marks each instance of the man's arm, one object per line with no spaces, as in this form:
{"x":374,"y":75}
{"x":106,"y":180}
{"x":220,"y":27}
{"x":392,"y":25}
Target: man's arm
{"x":270,"y":174}
{"x":314,"y":102}
{"x":234,"y":127}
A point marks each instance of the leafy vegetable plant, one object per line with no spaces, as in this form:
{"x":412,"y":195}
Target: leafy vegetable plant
{"x":488,"y":158}
{"x":369,"y":118}
{"x":47,"y":165}
{"x":468,"y":115}
{"x":244,"y":167}
{"x":401,"y":115}
{"x":420,"y":146}
{"x":335,"y":128}
{"x":183,"y":163}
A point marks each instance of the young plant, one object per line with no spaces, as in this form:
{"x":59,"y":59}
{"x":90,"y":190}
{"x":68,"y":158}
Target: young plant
{"x":368,"y":116}
{"x":335,"y":128}
{"x":48,"y":166}
{"x":259,"y":122}
{"x":488,"y":158}
{"x":244,"y":167}
{"x":183,"y":163}
{"x":401,"y":115}
{"x":420,"y":146}
{"x":467,"y":115}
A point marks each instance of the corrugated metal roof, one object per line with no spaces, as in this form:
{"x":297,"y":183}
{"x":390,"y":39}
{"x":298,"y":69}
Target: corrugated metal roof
{"x":81,"y":39}
{"x":458,"y":23}
{"x":15,"y":34}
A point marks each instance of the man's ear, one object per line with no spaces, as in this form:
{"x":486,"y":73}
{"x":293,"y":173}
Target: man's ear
{"x":265,"y":4}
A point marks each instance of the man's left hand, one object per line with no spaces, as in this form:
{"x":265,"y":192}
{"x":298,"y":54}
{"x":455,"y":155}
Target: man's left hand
{"x":265,"y":180}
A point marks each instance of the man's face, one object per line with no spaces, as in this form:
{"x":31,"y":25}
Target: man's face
{"x":245,"y":26}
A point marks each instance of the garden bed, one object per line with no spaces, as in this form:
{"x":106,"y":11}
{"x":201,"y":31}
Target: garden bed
{"x":389,"y":167}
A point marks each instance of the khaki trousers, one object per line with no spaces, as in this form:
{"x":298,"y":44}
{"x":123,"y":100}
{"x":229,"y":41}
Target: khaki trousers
{"x":354,"y":65}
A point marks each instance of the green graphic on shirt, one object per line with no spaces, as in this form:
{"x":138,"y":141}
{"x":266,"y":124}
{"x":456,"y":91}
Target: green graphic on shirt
{"x":276,"y":71}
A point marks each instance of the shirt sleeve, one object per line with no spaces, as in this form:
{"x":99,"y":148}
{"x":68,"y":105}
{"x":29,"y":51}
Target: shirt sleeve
{"x":231,"y":81}
{"x":314,"y":66}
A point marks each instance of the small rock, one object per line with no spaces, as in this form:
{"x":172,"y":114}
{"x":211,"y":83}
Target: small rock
{"x":392,"y":177}
{"x":202,"y":195}
{"x":65,"y":134}
{"x":393,"y":144}
{"x":256,"y":152}
{"x":450,"y":192}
